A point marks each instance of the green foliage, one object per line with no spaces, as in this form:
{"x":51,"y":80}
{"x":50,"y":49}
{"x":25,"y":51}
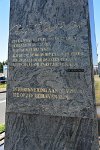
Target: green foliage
{"x":6,"y":62}
{"x":2,"y":128}
{"x":3,"y":86}
{"x":1,"y":65}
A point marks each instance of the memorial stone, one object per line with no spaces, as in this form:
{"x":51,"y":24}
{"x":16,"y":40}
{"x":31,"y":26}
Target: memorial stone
{"x":50,"y":93}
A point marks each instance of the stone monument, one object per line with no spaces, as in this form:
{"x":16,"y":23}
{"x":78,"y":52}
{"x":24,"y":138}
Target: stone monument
{"x":50,"y":95}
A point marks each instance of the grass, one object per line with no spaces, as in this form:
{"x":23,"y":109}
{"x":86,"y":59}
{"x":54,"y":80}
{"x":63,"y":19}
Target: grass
{"x":3,"y":85}
{"x":97,"y":88}
{"x":2,"y":128}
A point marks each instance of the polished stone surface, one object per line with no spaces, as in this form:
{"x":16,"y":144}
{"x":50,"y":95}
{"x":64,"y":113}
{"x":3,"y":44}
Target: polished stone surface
{"x":50,"y":96}
{"x":50,"y":64}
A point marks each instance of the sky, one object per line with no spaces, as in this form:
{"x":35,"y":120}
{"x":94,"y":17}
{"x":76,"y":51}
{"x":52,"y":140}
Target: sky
{"x":4,"y":27}
{"x":97,"y":24}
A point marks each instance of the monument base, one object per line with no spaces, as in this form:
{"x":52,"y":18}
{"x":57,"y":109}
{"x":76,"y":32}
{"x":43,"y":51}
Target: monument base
{"x":36,"y":132}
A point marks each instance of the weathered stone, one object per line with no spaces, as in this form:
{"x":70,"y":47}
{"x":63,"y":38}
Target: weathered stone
{"x":50,"y":98}
{"x":36,"y":132}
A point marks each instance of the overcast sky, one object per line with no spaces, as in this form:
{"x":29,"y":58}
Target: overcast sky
{"x":4,"y":27}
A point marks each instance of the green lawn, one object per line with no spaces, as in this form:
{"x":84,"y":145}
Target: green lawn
{"x":2,"y":128}
{"x":97,"y":88}
{"x":3,"y":86}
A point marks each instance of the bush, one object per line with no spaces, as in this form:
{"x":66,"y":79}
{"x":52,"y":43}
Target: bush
{"x":2,"y":128}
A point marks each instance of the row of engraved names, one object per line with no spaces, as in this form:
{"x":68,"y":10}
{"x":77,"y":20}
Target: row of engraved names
{"x":47,"y":90}
{"x":41,"y":39}
{"x":30,"y":52}
{"x":46,"y":64}
{"x":40,"y":96}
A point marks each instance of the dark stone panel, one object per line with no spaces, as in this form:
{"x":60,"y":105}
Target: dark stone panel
{"x":38,"y":132}
{"x":56,"y":35}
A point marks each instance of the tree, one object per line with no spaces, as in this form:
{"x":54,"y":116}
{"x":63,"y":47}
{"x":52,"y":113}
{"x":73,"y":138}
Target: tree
{"x":2,"y":64}
{"x":1,"y":67}
{"x":6,"y":62}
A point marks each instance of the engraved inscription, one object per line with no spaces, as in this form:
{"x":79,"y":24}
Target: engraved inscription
{"x":44,"y":93}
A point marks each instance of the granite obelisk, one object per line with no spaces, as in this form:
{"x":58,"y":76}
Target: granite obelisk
{"x":50,"y":95}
